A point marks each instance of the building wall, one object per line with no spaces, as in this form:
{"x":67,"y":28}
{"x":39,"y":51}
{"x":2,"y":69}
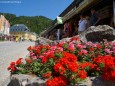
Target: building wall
{"x":1,"y":22}
{"x":26,"y":36}
{"x":4,"y":25}
{"x":33,"y":37}
{"x":22,"y":31}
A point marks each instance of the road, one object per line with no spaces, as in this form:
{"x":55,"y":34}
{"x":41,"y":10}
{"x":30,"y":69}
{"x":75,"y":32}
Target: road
{"x":11,"y":51}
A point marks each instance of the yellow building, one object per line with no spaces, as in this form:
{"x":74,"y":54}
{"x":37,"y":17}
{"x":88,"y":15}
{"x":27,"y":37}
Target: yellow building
{"x":33,"y":36}
{"x":22,"y":32}
{"x":26,"y":36}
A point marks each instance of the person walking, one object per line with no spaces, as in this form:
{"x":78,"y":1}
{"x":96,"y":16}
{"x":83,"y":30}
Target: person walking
{"x":58,"y":34}
{"x":66,"y":29}
{"x":95,"y":18}
{"x":88,"y":20}
{"x":82,"y":25}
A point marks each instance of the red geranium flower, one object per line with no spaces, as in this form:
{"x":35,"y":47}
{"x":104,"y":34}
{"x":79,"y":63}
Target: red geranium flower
{"x":86,"y":64}
{"x":58,"y":68}
{"x":12,"y":67}
{"x":28,"y":60}
{"x":91,"y":49}
{"x":57,"y":81}
{"x":30,"y":48}
{"x":47,"y":75}
{"x":19,"y":61}
{"x":99,"y":46}
{"x":70,"y":57}
{"x":82,"y":74}
{"x":73,"y":67}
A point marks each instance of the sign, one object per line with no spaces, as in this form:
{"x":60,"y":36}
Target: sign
{"x":59,"y":20}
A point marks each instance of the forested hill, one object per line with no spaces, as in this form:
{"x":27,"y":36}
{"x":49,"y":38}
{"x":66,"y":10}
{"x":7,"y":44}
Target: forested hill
{"x":34,"y":23}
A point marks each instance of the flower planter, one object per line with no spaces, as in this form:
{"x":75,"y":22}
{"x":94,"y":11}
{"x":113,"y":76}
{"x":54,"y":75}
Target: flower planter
{"x":67,"y":62}
{"x":26,"y":80}
{"x":30,"y":80}
{"x":99,"y":81}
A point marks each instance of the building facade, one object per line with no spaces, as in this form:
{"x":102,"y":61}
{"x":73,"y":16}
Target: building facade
{"x":33,"y":36}
{"x":21,"y":31}
{"x":4,"y":25}
{"x":71,"y":15}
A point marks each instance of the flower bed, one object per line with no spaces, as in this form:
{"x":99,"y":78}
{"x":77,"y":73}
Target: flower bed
{"x":68,"y":63}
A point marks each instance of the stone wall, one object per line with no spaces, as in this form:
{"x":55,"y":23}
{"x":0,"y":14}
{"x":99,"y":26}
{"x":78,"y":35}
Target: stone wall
{"x":26,"y":80}
{"x":29,"y":80}
{"x":93,"y":33}
{"x":43,"y":41}
{"x":98,"y":33}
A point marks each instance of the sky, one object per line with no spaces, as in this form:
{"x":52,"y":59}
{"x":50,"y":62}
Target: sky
{"x":47,"y":8}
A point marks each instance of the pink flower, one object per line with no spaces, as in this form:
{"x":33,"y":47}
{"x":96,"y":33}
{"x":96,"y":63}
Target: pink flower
{"x":46,"y":53}
{"x":60,"y":48}
{"x":84,"y":51}
{"x":71,"y":47}
{"x":114,"y":50}
{"x":89,"y":43}
{"x":107,"y":50}
{"x":80,"y":46}
{"x":41,"y":56}
{"x":112,"y":44}
{"x":53,"y":48}
{"x":31,"y":54}
{"x":111,"y":52}
{"x":62,"y":42}
{"x":94,"y":45}
{"x":34,"y":57}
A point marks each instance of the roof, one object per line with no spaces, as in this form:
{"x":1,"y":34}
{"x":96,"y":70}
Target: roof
{"x":21,"y":27}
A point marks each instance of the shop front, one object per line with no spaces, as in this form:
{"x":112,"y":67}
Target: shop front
{"x":71,"y":15}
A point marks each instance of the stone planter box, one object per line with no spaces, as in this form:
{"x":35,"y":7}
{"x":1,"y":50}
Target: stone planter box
{"x":29,"y":80}
{"x":26,"y":80}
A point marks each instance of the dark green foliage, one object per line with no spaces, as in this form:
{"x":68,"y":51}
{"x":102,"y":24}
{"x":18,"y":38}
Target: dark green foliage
{"x":34,"y":23}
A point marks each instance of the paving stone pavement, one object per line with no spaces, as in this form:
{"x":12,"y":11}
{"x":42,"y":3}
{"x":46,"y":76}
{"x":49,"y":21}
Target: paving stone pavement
{"x":11,"y":51}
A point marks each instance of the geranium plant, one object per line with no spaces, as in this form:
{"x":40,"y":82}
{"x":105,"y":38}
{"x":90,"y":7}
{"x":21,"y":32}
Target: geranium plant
{"x":68,"y":62}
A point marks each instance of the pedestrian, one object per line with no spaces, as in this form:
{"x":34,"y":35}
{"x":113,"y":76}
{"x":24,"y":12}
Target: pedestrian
{"x":75,"y":31}
{"x":82,"y":25}
{"x":95,"y":18}
{"x":58,"y":33}
{"x":112,"y":22}
{"x":66,"y":29}
{"x":88,"y":20}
